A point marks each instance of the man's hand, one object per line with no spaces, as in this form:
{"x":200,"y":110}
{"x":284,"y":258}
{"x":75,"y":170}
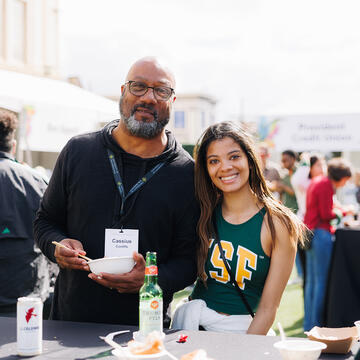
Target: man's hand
{"x":68,"y":258}
{"x":130,"y":282}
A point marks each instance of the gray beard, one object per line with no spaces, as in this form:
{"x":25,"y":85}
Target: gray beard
{"x":143,"y":129}
{"x":146,"y":130}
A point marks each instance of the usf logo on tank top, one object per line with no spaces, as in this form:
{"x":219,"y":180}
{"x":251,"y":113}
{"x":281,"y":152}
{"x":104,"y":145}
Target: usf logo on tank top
{"x":245,"y":260}
{"x":248,"y":262}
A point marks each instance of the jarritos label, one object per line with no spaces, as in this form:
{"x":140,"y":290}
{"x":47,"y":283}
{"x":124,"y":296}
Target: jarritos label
{"x":151,"y":315}
{"x":151,"y":270}
{"x":154,"y":304}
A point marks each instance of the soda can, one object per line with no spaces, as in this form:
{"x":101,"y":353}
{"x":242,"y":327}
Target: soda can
{"x":29,"y":326}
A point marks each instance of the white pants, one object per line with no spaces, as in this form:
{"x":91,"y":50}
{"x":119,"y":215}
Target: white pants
{"x":192,"y":314}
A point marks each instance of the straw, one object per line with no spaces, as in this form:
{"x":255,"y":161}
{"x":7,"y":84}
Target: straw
{"x":65,"y":247}
{"x":282,"y":333}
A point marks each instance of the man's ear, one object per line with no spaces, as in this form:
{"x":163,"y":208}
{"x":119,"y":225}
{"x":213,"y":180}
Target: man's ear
{"x":122,"y":89}
{"x":174,"y":98}
{"x":13,"y":148}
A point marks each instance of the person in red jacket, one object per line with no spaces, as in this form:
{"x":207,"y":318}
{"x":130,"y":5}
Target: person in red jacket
{"x":319,"y":213}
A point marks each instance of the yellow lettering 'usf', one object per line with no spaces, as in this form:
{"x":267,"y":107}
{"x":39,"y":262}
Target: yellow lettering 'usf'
{"x":222,"y":275}
{"x":246,"y":259}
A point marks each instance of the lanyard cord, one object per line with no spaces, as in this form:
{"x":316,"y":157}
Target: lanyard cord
{"x":137,"y":186}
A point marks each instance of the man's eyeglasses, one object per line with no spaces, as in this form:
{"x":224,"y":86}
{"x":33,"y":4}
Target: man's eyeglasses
{"x":162,"y":93}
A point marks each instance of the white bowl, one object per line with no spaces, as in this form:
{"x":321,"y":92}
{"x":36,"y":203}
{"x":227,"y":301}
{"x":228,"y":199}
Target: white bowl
{"x":357,"y":324}
{"x":299,"y":349}
{"x":112,"y":265}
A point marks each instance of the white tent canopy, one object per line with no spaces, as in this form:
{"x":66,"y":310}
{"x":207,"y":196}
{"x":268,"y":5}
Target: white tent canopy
{"x":52,"y":111}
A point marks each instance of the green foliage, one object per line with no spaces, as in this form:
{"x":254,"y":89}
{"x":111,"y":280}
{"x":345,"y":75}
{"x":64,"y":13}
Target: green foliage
{"x":189,"y":148}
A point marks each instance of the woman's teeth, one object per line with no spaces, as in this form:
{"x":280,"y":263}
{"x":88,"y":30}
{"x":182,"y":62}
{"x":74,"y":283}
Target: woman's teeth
{"x":225,"y":178}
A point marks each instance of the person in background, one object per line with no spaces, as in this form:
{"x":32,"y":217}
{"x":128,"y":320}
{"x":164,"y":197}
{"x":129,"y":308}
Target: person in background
{"x":24,"y":270}
{"x":269,"y":170}
{"x":319,"y":213}
{"x":258,"y":235}
{"x":287,"y":195}
{"x":131,"y":178}
{"x":288,"y":198}
{"x":309,"y":167}
{"x":347,"y":197}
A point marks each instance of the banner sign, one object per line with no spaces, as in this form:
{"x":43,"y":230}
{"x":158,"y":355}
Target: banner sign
{"x":323,"y":133}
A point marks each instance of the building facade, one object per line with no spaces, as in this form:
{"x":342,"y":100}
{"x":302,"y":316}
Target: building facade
{"x":192,"y":114}
{"x":29,"y":36}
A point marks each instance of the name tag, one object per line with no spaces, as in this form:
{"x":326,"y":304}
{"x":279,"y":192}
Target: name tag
{"x":121,"y":242}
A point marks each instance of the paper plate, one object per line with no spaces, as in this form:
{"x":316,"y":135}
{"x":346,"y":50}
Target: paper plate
{"x":126,"y":354}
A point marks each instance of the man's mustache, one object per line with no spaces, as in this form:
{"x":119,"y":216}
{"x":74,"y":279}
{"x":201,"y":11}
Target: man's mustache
{"x":145,"y":106}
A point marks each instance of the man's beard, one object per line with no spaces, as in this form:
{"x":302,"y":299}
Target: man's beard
{"x":140,"y":128}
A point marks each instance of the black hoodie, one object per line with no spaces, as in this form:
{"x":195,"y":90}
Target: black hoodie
{"x":82,"y":200}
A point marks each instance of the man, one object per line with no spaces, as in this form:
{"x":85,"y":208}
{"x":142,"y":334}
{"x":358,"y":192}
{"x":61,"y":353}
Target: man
{"x":269,"y":170}
{"x":319,"y":212}
{"x":23,"y":269}
{"x":288,"y":198}
{"x":83,"y":202}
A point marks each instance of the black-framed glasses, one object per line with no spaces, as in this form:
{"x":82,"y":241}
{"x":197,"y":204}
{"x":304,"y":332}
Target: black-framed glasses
{"x":162,"y":93}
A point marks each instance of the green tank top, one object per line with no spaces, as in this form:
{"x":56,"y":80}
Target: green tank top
{"x":248,"y":262}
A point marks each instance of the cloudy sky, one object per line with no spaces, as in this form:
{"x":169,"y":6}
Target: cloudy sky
{"x":254,"y":56}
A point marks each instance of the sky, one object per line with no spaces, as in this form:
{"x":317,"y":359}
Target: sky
{"x":254,"y":57}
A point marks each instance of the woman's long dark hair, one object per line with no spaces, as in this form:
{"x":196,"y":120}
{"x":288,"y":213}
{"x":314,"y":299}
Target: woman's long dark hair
{"x":209,"y":196}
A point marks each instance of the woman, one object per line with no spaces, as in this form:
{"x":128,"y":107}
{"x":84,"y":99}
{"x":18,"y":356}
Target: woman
{"x":259,"y":237}
{"x":311,"y":165}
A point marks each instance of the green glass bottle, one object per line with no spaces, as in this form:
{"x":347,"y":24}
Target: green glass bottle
{"x":151,"y":299}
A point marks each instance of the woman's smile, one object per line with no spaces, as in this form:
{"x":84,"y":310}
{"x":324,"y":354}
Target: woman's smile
{"x":227,"y":165}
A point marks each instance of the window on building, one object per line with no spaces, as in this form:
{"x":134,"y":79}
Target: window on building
{"x":17,"y":31}
{"x":179,"y":120}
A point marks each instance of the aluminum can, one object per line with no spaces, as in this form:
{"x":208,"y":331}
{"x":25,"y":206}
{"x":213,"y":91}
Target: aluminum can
{"x":29,"y":321}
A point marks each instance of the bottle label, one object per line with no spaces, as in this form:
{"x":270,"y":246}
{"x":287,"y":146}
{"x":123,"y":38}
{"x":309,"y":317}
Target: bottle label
{"x":151,"y":270}
{"x":151,"y":315}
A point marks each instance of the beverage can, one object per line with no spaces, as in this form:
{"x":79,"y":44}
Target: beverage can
{"x":29,"y":326}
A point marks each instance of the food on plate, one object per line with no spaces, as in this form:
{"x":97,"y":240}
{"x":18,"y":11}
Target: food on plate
{"x":152,"y":345}
{"x":199,"y":354}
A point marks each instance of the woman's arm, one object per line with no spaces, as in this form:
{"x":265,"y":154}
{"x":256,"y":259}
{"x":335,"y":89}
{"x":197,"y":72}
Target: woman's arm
{"x":281,"y":265}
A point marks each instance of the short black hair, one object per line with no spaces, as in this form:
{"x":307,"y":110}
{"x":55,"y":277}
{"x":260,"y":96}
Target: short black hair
{"x":291,"y":153}
{"x":338,"y":168}
{"x":8,"y":125}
